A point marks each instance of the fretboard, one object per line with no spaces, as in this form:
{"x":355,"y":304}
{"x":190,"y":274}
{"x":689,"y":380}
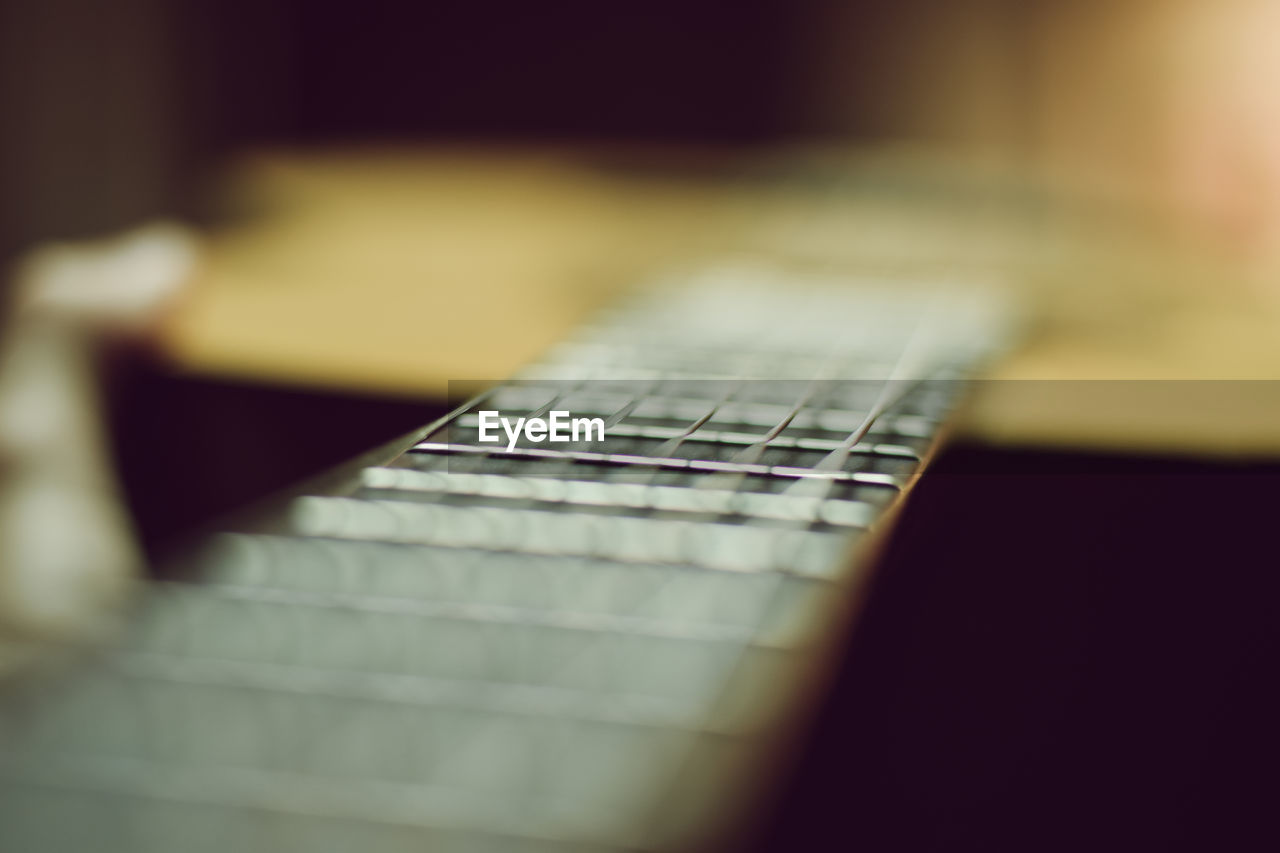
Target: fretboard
{"x":523,"y":644}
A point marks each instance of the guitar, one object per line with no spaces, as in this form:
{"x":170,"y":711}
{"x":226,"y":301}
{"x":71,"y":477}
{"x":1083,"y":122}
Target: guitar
{"x":601,"y":643}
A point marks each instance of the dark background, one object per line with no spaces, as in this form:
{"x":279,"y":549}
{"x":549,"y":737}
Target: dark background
{"x":1061,"y":652}
{"x":117,"y":111}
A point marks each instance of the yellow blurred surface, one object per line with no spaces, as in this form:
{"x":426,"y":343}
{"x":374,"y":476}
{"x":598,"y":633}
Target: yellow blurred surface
{"x":400,"y":271}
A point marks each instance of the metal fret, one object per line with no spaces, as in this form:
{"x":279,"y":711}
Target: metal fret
{"x":582,"y":493}
{"x":628,"y":460}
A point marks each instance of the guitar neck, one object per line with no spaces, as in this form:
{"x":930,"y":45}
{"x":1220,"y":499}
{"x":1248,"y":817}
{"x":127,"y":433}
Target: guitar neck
{"x":530,"y":635}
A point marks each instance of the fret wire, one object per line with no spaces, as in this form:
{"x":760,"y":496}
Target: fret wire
{"x":706,"y":596}
{"x":462,"y":814}
{"x":643,"y":495}
{"x":757,"y":414}
{"x":506,"y":697}
{"x":569,"y":620}
{"x":625,"y":539}
{"x":675,"y":437}
{"x":668,"y":434}
{"x":664,"y":462}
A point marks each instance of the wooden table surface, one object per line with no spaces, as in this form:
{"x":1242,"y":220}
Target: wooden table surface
{"x":399,"y":271}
